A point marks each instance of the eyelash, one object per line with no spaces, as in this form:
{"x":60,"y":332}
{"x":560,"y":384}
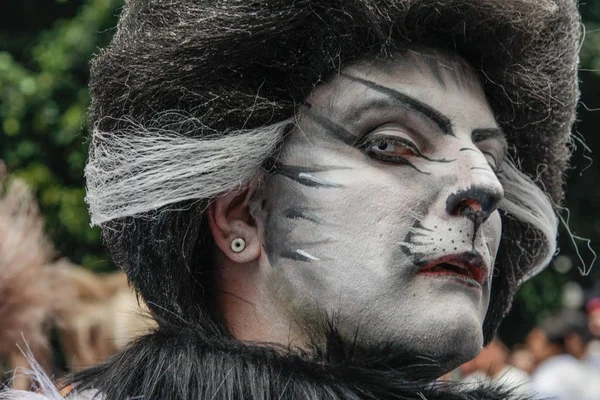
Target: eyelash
{"x":367,"y":147}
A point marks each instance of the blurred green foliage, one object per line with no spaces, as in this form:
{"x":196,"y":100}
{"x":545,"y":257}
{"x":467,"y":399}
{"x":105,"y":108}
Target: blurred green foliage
{"x":44,"y":97}
{"x":45,"y":48}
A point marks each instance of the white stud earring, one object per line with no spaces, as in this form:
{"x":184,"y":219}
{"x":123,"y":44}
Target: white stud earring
{"x":238,"y":245}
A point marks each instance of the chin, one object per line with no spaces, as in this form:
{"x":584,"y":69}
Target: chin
{"x":454,"y":341}
{"x":457,"y":346}
{"x":449,"y":339}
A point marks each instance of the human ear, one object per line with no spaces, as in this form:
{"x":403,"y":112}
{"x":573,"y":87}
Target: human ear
{"x":230,"y":220}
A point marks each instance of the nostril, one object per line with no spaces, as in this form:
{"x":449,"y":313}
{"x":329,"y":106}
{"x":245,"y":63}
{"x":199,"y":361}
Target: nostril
{"x":472,"y":202}
{"x":468,"y":206}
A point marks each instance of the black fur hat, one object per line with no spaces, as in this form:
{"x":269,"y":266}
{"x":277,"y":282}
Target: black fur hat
{"x":250,"y":63}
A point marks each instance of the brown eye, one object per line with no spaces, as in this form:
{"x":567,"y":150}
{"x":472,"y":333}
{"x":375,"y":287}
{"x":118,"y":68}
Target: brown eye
{"x":389,"y":147}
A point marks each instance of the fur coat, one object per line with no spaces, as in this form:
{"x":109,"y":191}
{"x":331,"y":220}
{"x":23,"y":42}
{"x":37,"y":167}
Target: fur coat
{"x":191,"y":362}
{"x":187,"y":362}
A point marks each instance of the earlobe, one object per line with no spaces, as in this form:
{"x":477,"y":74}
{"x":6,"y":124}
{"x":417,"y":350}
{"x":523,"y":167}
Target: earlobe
{"x":233,"y":226}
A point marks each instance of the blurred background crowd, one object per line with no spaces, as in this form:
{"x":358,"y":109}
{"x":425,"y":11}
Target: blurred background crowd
{"x":63,"y":315}
{"x":558,"y":359}
{"x":60,"y":292}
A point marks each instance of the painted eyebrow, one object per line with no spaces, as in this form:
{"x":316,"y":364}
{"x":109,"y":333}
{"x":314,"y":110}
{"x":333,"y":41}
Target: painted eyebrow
{"x":337,"y":130}
{"x":443,"y":123}
{"x":481,"y":134}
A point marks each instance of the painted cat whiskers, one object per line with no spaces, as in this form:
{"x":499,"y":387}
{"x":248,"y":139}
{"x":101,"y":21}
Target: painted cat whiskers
{"x":305,"y":176}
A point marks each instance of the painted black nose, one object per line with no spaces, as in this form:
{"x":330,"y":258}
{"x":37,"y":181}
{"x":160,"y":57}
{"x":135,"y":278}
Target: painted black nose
{"x":475,"y":203}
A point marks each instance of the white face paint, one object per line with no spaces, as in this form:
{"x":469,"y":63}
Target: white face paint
{"x":381,"y":209}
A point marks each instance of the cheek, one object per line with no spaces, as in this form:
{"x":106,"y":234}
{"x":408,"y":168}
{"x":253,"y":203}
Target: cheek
{"x":344,"y":236}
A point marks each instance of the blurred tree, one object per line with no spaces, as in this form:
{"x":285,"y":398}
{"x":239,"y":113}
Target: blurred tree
{"x":43,"y":81}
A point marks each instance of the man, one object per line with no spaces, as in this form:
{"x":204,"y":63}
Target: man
{"x":559,"y":346}
{"x":313,"y":197}
{"x":593,"y":314}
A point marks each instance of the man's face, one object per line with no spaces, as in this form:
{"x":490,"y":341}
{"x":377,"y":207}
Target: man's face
{"x":381,"y":210}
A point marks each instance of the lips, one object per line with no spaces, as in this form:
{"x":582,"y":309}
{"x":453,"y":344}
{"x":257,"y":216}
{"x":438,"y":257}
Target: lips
{"x":468,"y":266}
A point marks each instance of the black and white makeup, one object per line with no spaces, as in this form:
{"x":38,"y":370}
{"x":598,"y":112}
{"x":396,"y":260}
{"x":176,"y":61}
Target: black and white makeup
{"x":381,"y":210}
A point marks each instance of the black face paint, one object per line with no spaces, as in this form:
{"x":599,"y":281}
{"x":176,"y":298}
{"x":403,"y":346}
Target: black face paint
{"x":305,"y":175}
{"x":482,"y":169}
{"x":346,"y":137}
{"x":365,"y":143}
{"x":297,"y":214}
{"x":444,"y":123}
{"x":300,"y":252}
{"x":487,"y":200}
{"x":482,"y":134}
{"x":338,"y":131}
{"x":298,"y":255}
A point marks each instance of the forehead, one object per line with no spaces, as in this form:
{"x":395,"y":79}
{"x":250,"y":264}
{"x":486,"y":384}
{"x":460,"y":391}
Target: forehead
{"x":445,"y":82}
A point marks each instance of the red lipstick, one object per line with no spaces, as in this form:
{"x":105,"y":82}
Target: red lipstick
{"x":467,"y":265}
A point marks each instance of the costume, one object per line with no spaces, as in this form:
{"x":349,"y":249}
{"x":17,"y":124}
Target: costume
{"x":190,"y":78}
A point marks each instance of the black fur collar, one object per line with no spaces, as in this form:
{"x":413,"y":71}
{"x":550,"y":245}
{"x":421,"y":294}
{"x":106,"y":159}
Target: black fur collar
{"x":185,"y":363}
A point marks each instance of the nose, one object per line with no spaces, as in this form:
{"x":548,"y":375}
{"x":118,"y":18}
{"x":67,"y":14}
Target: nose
{"x":475,"y":203}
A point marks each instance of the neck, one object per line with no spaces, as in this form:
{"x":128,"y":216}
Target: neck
{"x":248,"y":316}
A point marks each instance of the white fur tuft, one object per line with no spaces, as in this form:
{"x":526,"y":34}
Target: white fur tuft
{"x":42,"y":386}
{"x":142,"y":168}
{"x":525,"y":201}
